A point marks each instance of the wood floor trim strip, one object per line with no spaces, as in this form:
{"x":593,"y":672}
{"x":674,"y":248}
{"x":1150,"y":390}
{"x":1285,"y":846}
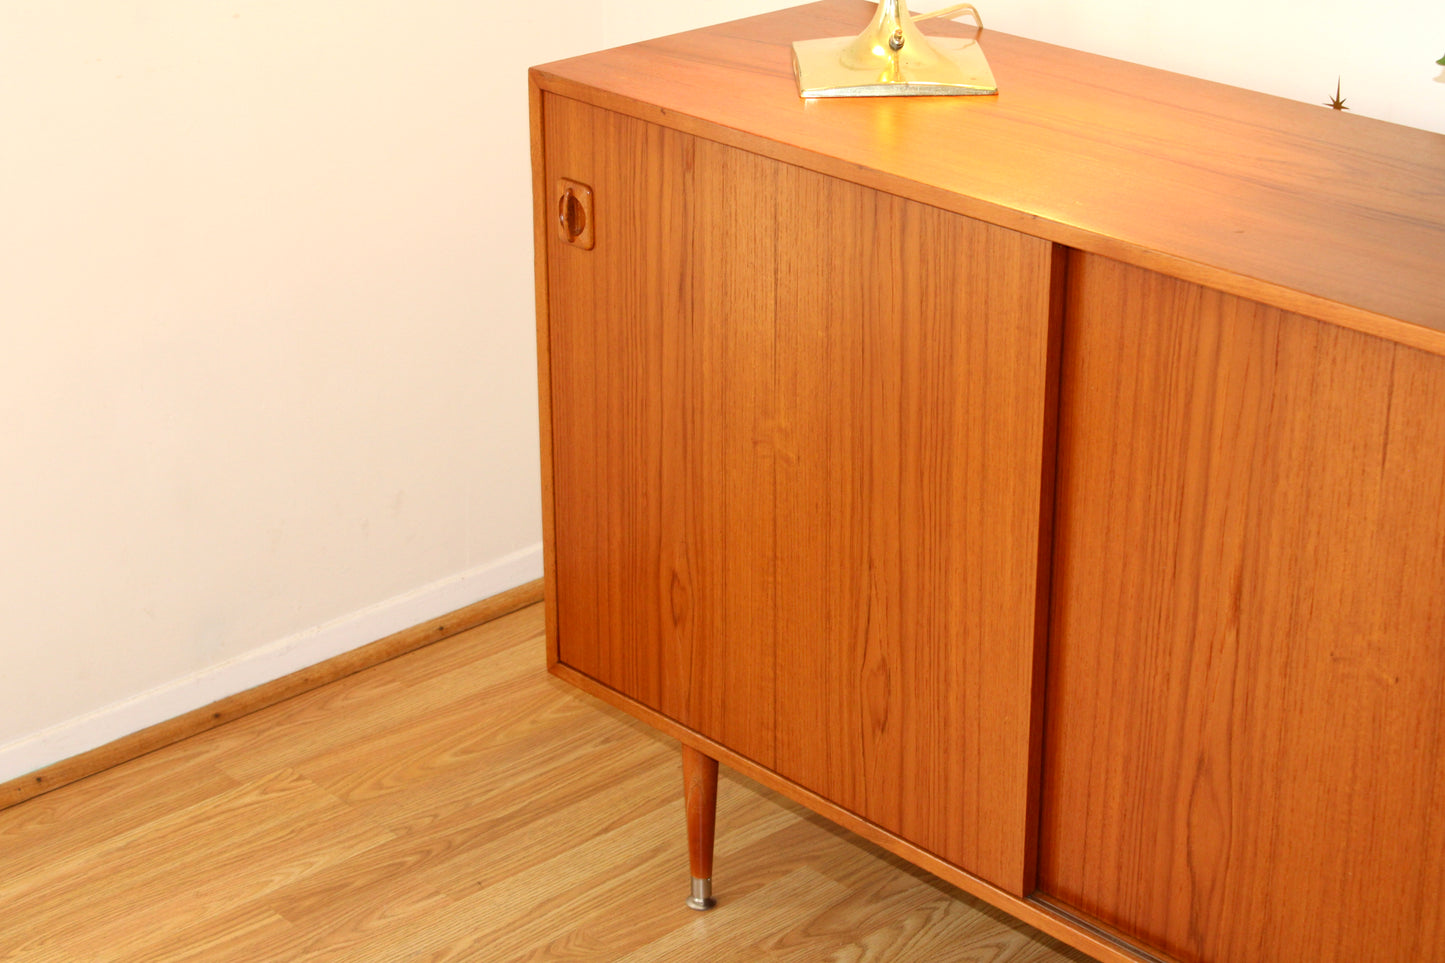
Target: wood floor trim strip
{"x":225,"y":710}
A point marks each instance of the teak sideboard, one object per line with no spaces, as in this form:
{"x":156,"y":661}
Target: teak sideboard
{"x":1049,"y":487}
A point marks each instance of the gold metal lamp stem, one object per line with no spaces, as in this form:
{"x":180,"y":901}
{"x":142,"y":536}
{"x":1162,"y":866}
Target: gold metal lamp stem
{"x":880,"y":45}
{"x":891,"y":58}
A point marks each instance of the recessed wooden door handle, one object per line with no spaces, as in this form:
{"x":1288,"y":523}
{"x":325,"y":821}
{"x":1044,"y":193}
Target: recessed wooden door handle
{"x":574,"y":214}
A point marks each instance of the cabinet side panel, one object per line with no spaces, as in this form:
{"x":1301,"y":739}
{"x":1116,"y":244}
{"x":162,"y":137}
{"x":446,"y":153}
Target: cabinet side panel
{"x":661,"y":352}
{"x":912,"y":351}
{"x":541,"y":225}
{"x":1245,"y":736}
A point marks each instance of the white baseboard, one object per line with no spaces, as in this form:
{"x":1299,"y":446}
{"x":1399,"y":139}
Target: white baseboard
{"x":266,"y":663}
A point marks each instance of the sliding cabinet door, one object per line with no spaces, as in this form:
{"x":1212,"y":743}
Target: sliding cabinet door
{"x":800,"y":448}
{"x":913,"y":439}
{"x":1245,"y":748}
{"x":662,"y":392}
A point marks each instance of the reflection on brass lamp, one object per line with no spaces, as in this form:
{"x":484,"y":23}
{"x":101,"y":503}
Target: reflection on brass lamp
{"x":892,"y":58}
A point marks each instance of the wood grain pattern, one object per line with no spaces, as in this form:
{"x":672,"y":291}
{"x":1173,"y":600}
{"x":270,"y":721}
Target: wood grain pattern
{"x":763,"y":377}
{"x":661,"y":343}
{"x":1245,"y":750}
{"x":252,"y":700}
{"x":912,"y":381}
{"x":564,"y":843}
{"x":699,"y":779}
{"x":1295,"y":206}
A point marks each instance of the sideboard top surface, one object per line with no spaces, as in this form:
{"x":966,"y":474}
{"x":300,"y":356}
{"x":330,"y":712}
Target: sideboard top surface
{"x":1306,"y":208}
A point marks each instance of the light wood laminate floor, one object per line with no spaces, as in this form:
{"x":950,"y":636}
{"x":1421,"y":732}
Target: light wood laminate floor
{"x":456,"y":803}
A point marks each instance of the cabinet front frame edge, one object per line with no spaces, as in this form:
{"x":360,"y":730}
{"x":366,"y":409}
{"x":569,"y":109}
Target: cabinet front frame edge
{"x":1398,"y":331}
{"x":1048,"y":475}
{"x":1026,"y":910}
{"x":540,"y":234}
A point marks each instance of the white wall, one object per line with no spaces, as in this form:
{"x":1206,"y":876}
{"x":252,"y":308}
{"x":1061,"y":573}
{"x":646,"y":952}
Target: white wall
{"x":267,"y":380}
{"x":267,"y":383}
{"x":1382,"y":54}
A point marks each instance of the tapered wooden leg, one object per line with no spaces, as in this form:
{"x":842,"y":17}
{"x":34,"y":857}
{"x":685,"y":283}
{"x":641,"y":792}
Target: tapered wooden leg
{"x":699,"y":778}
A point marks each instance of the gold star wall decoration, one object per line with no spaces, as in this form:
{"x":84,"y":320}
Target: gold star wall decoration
{"x":1337,"y":102}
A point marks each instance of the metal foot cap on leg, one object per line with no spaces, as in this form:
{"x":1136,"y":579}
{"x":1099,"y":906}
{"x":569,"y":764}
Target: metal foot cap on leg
{"x":701,"y":898}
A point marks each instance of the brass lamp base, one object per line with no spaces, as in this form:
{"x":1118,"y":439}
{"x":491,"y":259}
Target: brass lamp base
{"x":891,"y":58}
